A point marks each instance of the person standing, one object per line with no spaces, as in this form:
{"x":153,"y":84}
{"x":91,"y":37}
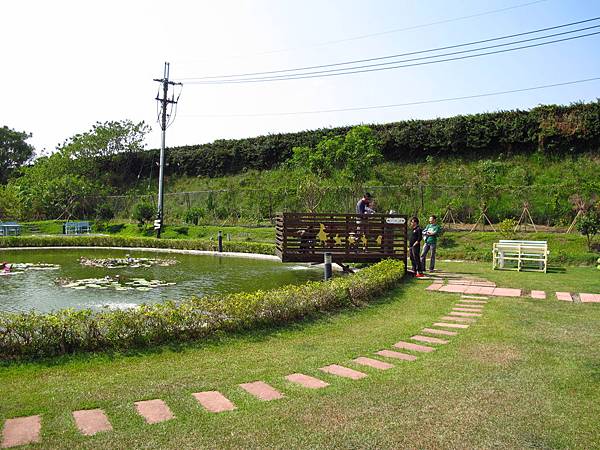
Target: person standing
{"x":430,"y":233}
{"x":414,"y":243}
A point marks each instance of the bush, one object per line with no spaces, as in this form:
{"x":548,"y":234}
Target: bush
{"x":31,"y":335}
{"x":506,"y":228}
{"x":143,"y":212}
{"x":193,"y":215}
{"x":589,"y":225}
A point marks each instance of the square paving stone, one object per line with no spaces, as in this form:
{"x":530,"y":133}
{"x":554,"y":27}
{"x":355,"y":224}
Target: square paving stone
{"x":414,"y":347}
{"x":434,"y":287}
{"x":214,"y":401}
{"x":454,"y":288}
{"x":306,"y":381}
{"x":458,"y":319}
{"x":262,"y":390}
{"x":589,"y":298}
{"x":541,"y":295}
{"x":375,"y":363}
{"x":342,"y":371}
{"x":91,"y":421}
{"x":154,"y":411}
{"x":21,"y":431}
{"x":564,"y":296}
{"x":440,"y":332}
{"x":464,"y":314}
{"x":396,"y":355}
{"x":506,"y":292}
{"x":428,"y":339}
{"x":450,"y":325}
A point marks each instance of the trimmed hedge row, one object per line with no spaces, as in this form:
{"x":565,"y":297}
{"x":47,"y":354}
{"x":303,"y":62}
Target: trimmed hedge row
{"x":555,"y":129}
{"x":120,"y":241}
{"x":34,"y":335}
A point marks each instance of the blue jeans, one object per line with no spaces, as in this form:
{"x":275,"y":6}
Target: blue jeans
{"x":424,"y":256}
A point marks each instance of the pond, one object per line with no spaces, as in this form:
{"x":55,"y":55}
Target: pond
{"x":46,"y":280}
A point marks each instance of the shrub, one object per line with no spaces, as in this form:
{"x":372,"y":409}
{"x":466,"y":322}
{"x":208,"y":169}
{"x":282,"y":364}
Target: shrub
{"x":506,"y":228}
{"x":143,"y":212}
{"x":589,"y":225}
{"x":193,"y":215}
{"x":31,"y":334}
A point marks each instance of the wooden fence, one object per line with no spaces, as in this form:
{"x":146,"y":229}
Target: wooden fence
{"x":305,"y":237}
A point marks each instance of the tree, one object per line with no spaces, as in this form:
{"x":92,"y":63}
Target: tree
{"x":589,"y":225}
{"x":14,"y":151}
{"x":143,"y":212}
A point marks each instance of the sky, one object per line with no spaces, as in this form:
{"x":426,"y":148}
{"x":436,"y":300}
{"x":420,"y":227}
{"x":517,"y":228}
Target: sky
{"x":69,"y":64}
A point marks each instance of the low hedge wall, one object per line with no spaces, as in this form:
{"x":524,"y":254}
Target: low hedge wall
{"x":33,"y":335}
{"x":120,"y":241}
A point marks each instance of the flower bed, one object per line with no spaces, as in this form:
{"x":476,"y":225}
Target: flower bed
{"x":31,"y":335}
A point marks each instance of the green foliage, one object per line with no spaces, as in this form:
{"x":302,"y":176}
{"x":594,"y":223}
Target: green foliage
{"x":34,"y":335}
{"x":10,"y":202}
{"x":353,"y":155}
{"x":105,"y":212}
{"x":589,"y":225}
{"x":193,"y":215}
{"x":143,"y":213}
{"x":14,"y":151}
{"x":507,"y":228}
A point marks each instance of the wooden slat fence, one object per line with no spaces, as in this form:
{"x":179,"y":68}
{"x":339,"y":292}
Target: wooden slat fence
{"x":305,"y":237}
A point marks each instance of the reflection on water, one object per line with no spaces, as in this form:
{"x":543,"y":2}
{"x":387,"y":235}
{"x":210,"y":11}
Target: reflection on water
{"x":192,"y":275}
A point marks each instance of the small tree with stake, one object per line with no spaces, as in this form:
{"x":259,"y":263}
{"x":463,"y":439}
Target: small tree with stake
{"x":589,"y":225}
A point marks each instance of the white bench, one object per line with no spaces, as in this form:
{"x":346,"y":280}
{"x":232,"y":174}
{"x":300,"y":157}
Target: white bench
{"x":522,"y":255}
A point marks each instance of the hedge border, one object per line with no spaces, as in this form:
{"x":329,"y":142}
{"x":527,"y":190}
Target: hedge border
{"x":36,"y":335}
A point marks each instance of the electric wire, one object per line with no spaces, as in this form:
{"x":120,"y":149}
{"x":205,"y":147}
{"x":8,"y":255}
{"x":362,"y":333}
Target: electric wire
{"x":345,"y":70}
{"x":448,"y":47}
{"x":350,"y":71}
{"x":397,"y":105}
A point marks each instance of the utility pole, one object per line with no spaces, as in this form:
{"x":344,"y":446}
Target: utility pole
{"x":164,"y":101}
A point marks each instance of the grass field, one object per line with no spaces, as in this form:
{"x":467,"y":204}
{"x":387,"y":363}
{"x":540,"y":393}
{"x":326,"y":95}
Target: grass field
{"x":526,"y":375}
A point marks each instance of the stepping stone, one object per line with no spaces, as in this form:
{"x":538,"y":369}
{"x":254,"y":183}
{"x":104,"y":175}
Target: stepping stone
{"x":538,"y":294}
{"x":463,"y":309}
{"x":342,"y":371}
{"x":214,"y":401}
{"x":262,"y":390}
{"x":507,"y":292}
{"x":470,"y":305}
{"x":464,"y":314}
{"x":21,"y":431}
{"x":458,"y":319}
{"x":564,"y":296}
{"x":484,"y":283}
{"x":462,"y":282}
{"x":375,"y":363}
{"x":450,"y":325}
{"x":589,"y":298}
{"x":473,"y":290}
{"x":473,"y":299}
{"x":433,"y":287}
{"x":91,"y":421}
{"x":487,"y":290}
{"x":413,"y":347}
{"x":154,"y":411}
{"x":428,"y":339}
{"x":441,"y":332}
{"x":306,"y":381}
{"x":396,"y":355}
{"x":454,"y":288}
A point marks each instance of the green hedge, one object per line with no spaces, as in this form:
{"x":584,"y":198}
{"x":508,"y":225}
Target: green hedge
{"x":34,"y":335}
{"x":557,"y":129}
{"x":119,"y":241}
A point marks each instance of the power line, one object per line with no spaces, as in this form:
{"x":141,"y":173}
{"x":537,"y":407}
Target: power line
{"x":397,"y":105}
{"x":297,"y":69}
{"x":350,"y":71}
{"x":382,"y":33}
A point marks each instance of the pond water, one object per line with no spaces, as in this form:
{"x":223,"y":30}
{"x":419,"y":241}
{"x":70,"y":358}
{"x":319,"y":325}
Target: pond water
{"x":47,"y":288}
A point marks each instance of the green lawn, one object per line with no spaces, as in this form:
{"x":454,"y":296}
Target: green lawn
{"x":526,"y":374}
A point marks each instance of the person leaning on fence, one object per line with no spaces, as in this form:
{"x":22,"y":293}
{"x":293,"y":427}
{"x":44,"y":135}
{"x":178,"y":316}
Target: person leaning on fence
{"x":414,"y":243}
{"x":364,"y":205}
{"x":430,"y":233}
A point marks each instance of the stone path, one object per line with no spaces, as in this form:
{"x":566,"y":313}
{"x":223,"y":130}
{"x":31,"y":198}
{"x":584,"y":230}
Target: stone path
{"x":475,"y":294}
